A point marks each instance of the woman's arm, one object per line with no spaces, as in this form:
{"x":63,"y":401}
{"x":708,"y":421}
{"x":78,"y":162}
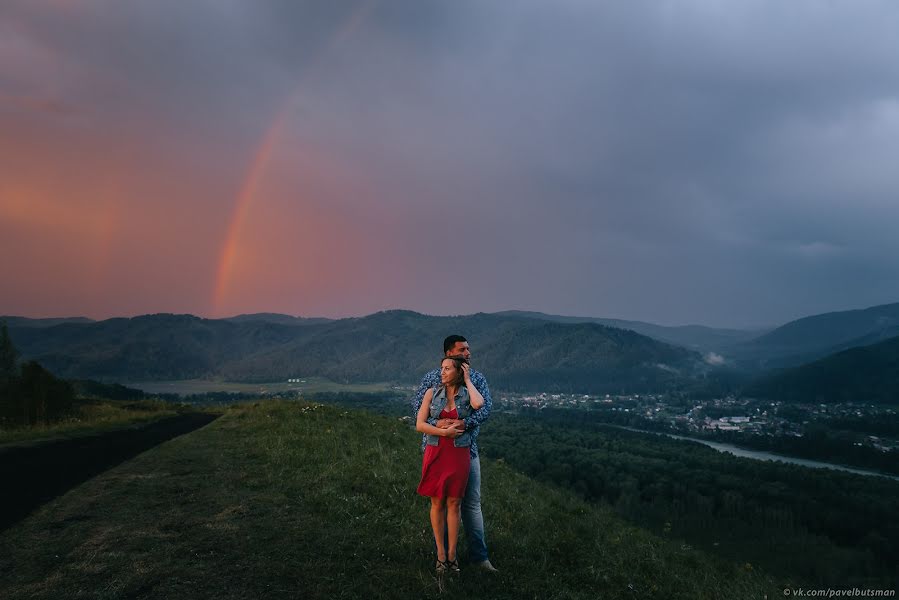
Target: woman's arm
{"x":421,"y":423}
{"x":477,"y":400}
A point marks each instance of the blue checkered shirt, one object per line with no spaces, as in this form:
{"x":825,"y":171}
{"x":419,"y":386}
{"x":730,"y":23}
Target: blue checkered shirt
{"x":473,"y":422}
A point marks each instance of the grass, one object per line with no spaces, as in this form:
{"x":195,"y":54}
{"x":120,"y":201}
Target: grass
{"x":94,"y":416}
{"x":298,"y":500}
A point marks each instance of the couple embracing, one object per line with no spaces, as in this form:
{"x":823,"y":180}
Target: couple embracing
{"x":450,"y":406}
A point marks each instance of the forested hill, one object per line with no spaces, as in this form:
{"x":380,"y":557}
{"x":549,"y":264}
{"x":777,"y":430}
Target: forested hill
{"x":518,"y":353}
{"x":865,"y":374}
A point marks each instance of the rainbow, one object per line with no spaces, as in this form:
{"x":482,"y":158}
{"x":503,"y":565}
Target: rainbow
{"x":255,"y":172}
{"x":242,"y":206}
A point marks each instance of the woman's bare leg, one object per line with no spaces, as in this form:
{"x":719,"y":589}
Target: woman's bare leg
{"x":438,"y":518}
{"x":453,"y":516}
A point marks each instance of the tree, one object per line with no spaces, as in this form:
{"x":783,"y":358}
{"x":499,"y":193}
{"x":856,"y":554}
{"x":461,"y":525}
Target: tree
{"x":9,"y":356}
{"x":44,"y":397}
{"x":9,"y":373}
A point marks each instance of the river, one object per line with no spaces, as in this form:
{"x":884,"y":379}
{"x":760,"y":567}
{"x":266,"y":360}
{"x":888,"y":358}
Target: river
{"x":760,"y":455}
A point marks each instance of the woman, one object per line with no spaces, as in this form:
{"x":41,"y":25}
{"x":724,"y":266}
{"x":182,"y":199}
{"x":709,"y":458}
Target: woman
{"x":444,"y":469}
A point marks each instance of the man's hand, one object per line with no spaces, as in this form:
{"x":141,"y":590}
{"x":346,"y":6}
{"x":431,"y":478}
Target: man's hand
{"x":451,"y":432}
{"x":457,"y":424}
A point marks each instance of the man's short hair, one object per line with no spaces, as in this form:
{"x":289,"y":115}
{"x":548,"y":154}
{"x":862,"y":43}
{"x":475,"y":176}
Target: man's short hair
{"x":450,"y":342}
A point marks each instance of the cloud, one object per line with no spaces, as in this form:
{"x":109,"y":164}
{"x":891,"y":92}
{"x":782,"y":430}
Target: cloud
{"x":673,"y":162}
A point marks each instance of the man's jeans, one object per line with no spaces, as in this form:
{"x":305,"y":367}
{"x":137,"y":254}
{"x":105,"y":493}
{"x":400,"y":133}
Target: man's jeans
{"x":472,"y":517}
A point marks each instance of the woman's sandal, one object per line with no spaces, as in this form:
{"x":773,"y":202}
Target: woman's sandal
{"x":442,"y":567}
{"x":453,"y":566}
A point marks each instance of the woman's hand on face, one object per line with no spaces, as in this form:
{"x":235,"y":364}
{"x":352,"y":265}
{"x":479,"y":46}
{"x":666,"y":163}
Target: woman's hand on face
{"x":466,"y":372}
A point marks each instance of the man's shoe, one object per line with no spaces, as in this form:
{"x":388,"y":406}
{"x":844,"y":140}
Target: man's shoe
{"x":486,"y":566}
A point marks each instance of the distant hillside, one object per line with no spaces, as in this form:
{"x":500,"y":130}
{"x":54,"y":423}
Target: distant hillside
{"x":277,"y":318}
{"x":518,"y":354}
{"x":696,"y":337}
{"x":814,"y":337}
{"x":867,"y":374}
{"x":154,"y":347}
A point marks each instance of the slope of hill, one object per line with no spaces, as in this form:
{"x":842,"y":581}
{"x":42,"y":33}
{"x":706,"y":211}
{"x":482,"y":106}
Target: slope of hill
{"x":874,"y":337}
{"x":867,"y":374}
{"x":519,"y":353}
{"x":697,"y":337}
{"x":26,"y":322}
{"x":816,"y":336}
{"x":293,"y":501}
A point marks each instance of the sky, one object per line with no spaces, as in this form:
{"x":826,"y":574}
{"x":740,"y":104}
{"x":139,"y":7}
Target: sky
{"x":694,"y":161}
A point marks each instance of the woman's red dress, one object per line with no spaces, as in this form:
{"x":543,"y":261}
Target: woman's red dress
{"x":444,"y":469}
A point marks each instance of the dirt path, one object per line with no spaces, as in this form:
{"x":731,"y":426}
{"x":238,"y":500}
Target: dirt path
{"x":30,"y":476}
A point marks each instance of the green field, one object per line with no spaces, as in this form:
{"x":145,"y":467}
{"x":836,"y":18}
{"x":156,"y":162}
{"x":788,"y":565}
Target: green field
{"x":308,"y":385}
{"x":297,"y":500}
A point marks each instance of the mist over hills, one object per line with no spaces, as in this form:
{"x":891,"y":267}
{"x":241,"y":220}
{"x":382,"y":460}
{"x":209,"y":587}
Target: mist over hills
{"x":519,"y":354}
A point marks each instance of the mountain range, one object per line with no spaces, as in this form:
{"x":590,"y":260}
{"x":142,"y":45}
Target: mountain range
{"x":522,"y":351}
{"x":519,"y":354}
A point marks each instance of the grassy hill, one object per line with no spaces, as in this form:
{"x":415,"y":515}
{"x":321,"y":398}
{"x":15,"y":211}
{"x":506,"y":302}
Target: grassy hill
{"x":294,"y":500}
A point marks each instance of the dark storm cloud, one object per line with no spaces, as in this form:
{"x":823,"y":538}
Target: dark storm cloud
{"x":726,"y":163}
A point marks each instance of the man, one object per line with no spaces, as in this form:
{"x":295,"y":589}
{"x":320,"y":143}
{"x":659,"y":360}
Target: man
{"x":456,"y":346}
